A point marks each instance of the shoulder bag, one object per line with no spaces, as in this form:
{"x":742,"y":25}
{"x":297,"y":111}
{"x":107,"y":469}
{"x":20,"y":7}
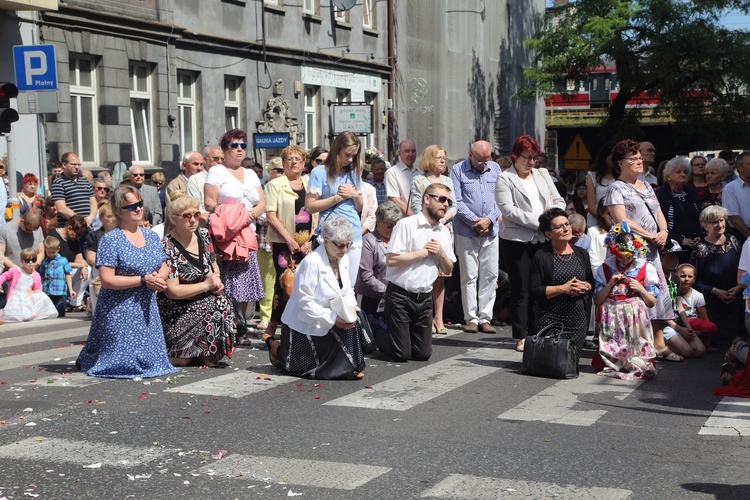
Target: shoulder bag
{"x":548,"y":354}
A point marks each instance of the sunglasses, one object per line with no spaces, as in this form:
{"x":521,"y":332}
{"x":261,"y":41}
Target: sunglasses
{"x":318,"y":161}
{"x":341,"y":246}
{"x":138,"y":175}
{"x":442,"y":199}
{"x":188,"y":216}
{"x":133,"y":206}
{"x":235,"y":145}
{"x":29,"y":261}
{"x":100,"y":188}
{"x":217,"y":158}
{"x":157,"y":183}
{"x":278,"y":170}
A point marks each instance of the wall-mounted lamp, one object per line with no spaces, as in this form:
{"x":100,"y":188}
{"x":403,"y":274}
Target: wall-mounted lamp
{"x":297,"y":87}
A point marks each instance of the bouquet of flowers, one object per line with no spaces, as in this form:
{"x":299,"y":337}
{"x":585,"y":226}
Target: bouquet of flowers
{"x":372,"y":153}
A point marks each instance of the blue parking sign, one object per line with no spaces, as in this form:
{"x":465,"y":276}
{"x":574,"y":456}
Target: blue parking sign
{"x":36,"y":67}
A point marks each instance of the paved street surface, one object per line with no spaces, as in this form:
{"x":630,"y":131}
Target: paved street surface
{"x":464,"y":425}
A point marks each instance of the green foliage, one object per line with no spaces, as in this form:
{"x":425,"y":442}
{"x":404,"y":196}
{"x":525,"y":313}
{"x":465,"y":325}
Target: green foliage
{"x":675,"y":48}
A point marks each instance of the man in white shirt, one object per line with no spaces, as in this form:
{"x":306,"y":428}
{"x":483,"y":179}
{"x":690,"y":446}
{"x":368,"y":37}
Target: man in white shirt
{"x":420,"y":248}
{"x":398,"y":178}
{"x":213,"y":156}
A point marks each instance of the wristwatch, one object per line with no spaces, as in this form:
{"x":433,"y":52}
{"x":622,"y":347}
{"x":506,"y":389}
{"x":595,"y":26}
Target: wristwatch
{"x":143,"y":280}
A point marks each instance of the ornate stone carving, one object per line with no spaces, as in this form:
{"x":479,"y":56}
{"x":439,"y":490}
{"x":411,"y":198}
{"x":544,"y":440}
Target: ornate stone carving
{"x":277,"y":116}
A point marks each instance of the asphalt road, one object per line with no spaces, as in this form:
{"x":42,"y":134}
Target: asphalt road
{"x":465,"y":425}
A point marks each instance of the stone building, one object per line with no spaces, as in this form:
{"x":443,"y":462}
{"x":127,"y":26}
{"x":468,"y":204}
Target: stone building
{"x":143,"y":81}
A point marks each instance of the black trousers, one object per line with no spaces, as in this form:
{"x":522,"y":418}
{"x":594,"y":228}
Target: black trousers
{"x":60,"y":302}
{"x":409,"y":319}
{"x":519,"y":257}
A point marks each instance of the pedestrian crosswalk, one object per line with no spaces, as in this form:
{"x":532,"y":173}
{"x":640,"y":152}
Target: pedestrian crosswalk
{"x":582,"y":402}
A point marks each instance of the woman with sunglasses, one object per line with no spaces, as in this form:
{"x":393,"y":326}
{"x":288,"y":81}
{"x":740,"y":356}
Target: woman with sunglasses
{"x":229,"y":183}
{"x":198,"y":319}
{"x":334,"y":189}
{"x":433,"y":164}
{"x":157,"y":180}
{"x":523,"y":193}
{"x":126,"y":339}
{"x":28,"y":197}
{"x":101,"y":194}
{"x":318,"y":156}
{"x":322,"y":337}
{"x":290,"y":226}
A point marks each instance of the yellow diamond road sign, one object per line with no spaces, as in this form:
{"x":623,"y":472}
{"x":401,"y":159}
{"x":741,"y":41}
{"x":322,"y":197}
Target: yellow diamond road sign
{"x":577,"y":157}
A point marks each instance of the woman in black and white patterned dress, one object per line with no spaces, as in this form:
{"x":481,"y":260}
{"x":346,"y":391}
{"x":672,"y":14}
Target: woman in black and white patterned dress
{"x":561,"y":279}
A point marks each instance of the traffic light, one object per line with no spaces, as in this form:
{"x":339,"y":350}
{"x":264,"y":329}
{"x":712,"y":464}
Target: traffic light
{"x":8,"y":115}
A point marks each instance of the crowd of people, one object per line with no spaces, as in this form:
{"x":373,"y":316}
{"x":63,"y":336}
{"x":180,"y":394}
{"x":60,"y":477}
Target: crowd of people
{"x":634,"y":265}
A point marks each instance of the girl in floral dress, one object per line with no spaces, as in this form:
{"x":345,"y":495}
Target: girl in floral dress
{"x":626,"y":286}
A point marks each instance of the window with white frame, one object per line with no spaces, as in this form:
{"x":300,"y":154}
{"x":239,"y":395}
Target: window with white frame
{"x":232,"y":102}
{"x":141,"y":123}
{"x":83,"y":108}
{"x":186,"y":110}
{"x":368,"y":14}
{"x":273,"y":2}
{"x":311,"y":117}
{"x":370,"y":98}
{"x":310,"y":6}
{"x":341,"y":16}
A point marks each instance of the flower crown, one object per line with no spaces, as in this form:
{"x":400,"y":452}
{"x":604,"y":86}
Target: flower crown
{"x":636,"y":246}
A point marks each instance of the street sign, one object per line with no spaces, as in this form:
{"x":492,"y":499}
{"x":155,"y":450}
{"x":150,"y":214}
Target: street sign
{"x":36,"y":67}
{"x":271,"y":140}
{"x":357,"y":118}
{"x":577,"y":157}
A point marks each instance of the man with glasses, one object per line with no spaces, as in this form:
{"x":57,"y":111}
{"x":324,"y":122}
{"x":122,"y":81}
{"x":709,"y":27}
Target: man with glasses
{"x":149,"y":194}
{"x":72,"y":193}
{"x":19,"y":234}
{"x":420,"y":247}
{"x":398,"y":178}
{"x":476,"y":226}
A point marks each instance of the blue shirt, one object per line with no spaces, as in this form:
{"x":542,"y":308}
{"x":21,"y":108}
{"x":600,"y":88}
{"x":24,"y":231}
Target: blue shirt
{"x":379,"y":191}
{"x":475,"y":197}
{"x":53,"y":273}
{"x":318,"y":184}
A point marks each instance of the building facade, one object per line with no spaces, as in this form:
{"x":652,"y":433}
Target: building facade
{"x":144,"y":81}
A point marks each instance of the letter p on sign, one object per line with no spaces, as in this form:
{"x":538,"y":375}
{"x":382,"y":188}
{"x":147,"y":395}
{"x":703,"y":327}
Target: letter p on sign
{"x":35,"y":64}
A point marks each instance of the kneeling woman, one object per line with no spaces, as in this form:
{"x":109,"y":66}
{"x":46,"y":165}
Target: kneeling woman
{"x":197,"y":317}
{"x":321,"y":337}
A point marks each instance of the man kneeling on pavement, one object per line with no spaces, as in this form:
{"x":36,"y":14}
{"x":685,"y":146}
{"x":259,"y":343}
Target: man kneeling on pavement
{"x":419,"y":249}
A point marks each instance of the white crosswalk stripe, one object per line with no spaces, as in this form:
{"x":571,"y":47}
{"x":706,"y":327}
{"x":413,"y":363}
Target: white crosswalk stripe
{"x":731,"y":417}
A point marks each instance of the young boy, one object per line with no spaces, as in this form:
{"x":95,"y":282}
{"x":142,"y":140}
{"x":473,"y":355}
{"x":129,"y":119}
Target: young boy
{"x":55,"y":271}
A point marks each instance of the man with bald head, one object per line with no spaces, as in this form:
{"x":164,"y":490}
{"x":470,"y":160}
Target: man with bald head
{"x":192,"y":163}
{"x":19,"y":234}
{"x":214,"y":156}
{"x":398,"y":178}
{"x":476,"y":226}
{"x":72,"y":193}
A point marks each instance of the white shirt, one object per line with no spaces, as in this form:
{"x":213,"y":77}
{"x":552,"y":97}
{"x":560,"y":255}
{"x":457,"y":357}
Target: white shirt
{"x":410,"y":234}
{"x":398,"y":180}
{"x":195,"y":187}
{"x":231,"y":190}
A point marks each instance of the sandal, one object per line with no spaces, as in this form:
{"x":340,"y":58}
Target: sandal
{"x":442,"y":331}
{"x":662,"y":353}
{"x":731,"y":355}
{"x":273,"y":359}
{"x":728,"y":370}
{"x":520,"y":344}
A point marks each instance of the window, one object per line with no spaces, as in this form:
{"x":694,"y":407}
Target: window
{"x":341,"y":16}
{"x":232,"y":102}
{"x":310,"y":7}
{"x":186,"y":110}
{"x":311,"y":117}
{"x":83,"y":108}
{"x":343,"y":95}
{"x":140,"y":113}
{"x":273,"y":2}
{"x":368,"y":14}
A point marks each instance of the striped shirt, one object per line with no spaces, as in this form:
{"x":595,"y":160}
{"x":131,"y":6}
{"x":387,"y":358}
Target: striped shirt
{"x":76,"y":193}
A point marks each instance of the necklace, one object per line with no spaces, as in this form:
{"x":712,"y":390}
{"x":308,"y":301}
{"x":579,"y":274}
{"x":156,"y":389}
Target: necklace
{"x":564,"y":257}
{"x":620,"y":267}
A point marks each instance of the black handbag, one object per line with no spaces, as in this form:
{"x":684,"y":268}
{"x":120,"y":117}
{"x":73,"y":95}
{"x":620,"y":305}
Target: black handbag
{"x":548,"y":354}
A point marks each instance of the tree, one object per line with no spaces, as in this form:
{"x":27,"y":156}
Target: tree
{"x":673,"y":49}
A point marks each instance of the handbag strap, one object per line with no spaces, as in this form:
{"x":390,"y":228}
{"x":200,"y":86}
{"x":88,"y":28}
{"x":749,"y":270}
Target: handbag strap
{"x":545,"y":331}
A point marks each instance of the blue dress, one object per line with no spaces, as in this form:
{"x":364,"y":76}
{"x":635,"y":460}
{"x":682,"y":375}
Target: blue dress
{"x":126,"y":339}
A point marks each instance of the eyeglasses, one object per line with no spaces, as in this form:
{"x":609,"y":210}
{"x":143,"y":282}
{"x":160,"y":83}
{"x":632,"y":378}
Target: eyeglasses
{"x":633,"y":159}
{"x":278,"y":170}
{"x":319,"y":161}
{"x":528,"y":157}
{"x":442,"y":199}
{"x":480,"y":162}
{"x":217,"y":158}
{"x":138,"y":175}
{"x":102,"y":188}
{"x":564,"y":225}
{"x":341,"y":246}
{"x":235,"y":145}
{"x":158,"y":183}
{"x":29,"y":261}
{"x":133,"y":206}
{"x":188,"y":216}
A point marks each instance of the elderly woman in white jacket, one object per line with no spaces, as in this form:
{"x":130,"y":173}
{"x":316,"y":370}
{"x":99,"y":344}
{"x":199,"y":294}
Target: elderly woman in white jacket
{"x":321,"y":337}
{"x":522,"y":194}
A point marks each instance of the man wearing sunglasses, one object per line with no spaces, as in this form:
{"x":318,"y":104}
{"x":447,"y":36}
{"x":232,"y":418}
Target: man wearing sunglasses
{"x":420,"y":247}
{"x":149,"y":194}
{"x":476,"y":226}
{"x":72,"y":193}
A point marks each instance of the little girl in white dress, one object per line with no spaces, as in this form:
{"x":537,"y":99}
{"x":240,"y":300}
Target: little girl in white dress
{"x":26,"y":300}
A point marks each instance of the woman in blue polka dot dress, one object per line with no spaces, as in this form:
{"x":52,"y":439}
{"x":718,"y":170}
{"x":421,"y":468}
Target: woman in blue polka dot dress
{"x":126,"y":339}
